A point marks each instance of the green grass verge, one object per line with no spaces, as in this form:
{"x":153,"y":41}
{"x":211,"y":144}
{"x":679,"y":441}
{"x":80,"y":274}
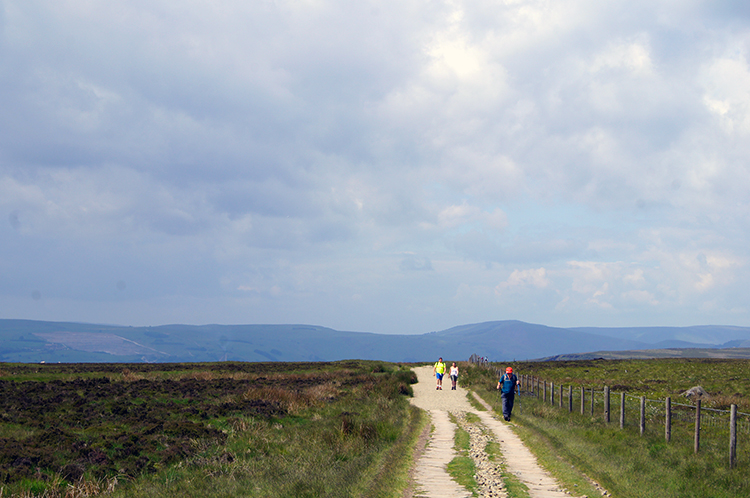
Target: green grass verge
{"x":573,"y":446}
{"x":462,"y":468}
{"x":474,"y":403}
{"x":472,"y":418}
{"x":513,"y":485}
{"x":569,"y":476}
{"x":392,"y":475}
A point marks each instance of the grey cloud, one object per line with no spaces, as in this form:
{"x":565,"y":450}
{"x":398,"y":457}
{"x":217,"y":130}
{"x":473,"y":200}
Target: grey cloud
{"x":14,"y":219}
{"x":266,"y":198}
{"x":415,"y":263}
{"x":544,"y":248}
{"x":181,"y":149}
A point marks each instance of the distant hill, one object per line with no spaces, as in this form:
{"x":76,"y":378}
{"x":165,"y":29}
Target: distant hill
{"x":33,"y":341}
{"x":648,"y":354}
{"x":696,"y":336}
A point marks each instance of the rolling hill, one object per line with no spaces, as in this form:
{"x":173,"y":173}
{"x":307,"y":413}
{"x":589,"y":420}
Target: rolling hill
{"x":68,"y":342}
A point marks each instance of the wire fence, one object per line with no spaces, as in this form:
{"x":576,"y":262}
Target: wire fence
{"x":648,"y":415}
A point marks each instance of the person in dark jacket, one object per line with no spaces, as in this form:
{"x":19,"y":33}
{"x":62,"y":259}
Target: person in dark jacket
{"x":507,"y":385}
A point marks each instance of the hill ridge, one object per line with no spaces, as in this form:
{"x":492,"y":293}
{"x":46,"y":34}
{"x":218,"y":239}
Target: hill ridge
{"x":32,"y":341}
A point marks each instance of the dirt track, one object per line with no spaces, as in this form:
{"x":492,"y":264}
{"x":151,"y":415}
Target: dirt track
{"x":432,"y":480}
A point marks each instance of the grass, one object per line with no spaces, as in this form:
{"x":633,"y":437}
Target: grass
{"x":474,"y":403}
{"x":727,"y":381}
{"x":462,"y":468}
{"x":17,"y":431}
{"x":513,"y":485}
{"x":573,"y":446}
{"x":344,"y":429}
{"x":472,"y":418}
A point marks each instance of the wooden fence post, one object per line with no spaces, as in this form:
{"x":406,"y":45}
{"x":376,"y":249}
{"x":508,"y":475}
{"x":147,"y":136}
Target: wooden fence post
{"x":668,"y":420}
{"x":570,"y":398}
{"x":529,"y":381}
{"x":606,"y":404}
{"x":697,"y":425}
{"x":583,"y":400}
{"x":733,"y":436}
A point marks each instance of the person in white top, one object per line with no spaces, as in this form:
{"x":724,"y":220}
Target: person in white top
{"x":454,"y":375}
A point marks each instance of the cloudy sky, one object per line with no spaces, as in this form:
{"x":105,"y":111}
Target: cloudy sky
{"x":385,"y":166}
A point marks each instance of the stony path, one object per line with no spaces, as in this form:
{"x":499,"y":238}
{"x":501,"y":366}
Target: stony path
{"x":519,"y":460}
{"x":432,"y":480}
{"x":488,"y":472}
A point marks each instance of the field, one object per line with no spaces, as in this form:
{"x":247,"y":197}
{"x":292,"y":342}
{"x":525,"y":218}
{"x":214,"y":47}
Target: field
{"x":347,"y":429}
{"x":209,"y":429}
{"x":626,"y":463}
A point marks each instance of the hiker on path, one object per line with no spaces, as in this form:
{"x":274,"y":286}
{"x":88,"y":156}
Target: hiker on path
{"x":507,"y":384}
{"x":454,"y":375}
{"x":439,"y":370}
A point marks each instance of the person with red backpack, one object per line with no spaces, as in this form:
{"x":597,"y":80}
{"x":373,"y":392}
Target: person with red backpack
{"x":507,"y":385}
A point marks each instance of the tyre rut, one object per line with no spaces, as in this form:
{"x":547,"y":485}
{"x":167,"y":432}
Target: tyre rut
{"x":430,"y":472}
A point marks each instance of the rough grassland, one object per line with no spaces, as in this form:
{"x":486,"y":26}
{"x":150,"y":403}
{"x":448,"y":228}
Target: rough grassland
{"x":223,"y":429}
{"x":623,"y":461}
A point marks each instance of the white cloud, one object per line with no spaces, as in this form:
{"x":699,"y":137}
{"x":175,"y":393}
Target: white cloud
{"x":525,"y":278}
{"x":270,"y":160}
{"x":640,"y":296}
{"x":635,"y":278}
{"x":728,"y":93}
{"x":631,"y":56}
{"x":464,"y":214}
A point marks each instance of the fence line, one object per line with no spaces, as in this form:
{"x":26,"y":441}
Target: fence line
{"x":649,"y":411}
{"x":604,"y":390}
{"x":482,"y":361}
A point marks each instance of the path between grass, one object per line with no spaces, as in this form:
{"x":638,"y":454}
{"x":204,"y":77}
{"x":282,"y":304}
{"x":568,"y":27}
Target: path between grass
{"x":432,"y":480}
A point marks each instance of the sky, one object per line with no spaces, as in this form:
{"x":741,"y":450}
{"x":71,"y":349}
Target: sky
{"x":396,"y":167}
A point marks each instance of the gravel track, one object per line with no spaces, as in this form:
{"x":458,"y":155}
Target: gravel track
{"x":433,"y":481}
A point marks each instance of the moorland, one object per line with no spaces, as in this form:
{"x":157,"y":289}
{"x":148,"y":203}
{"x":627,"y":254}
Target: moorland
{"x":347,"y":429}
{"x":213,"y":429}
{"x":577,"y":442}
